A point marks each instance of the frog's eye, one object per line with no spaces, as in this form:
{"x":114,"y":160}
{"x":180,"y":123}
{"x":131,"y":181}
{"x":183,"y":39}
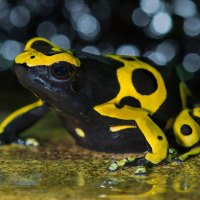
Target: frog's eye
{"x":62,"y":70}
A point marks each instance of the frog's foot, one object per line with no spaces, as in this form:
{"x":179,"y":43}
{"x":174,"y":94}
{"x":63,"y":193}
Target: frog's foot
{"x":140,"y":162}
{"x":141,"y":171}
{"x":120,"y":163}
{"x":27,"y":142}
{"x":172,"y":154}
{"x":192,"y":152}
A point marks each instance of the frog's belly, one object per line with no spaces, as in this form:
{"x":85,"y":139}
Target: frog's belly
{"x":104,"y":134}
{"x":124,"y":141}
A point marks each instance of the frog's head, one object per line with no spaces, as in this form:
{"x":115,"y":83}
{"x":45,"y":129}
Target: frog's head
{"x":47,"y":70}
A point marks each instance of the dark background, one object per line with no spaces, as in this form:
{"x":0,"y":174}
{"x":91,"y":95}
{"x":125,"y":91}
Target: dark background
{"x":167,"y":32}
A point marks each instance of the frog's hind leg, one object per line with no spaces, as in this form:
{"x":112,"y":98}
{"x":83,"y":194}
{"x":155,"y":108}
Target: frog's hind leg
{"x":152,"y":133}
{"x":187,"y":132}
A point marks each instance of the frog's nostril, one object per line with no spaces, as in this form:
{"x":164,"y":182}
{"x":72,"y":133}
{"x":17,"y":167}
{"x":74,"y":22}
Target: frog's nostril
{"x":32,"y":57}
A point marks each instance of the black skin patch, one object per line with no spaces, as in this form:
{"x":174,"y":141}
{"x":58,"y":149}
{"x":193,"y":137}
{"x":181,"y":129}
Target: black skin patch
{"x":160,"y":137}
{"x":186,"y":130}
{"x":197,"y":119}
{"x":119,"y":105}
{"x":97,"y":74}
{"x":127,"y":58}
{"x":44,"y":48}
{"x":148,"y":85}
{"x":129,"y":101}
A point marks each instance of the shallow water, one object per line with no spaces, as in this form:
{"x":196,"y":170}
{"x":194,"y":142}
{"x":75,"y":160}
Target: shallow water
{"x":58,"y":173}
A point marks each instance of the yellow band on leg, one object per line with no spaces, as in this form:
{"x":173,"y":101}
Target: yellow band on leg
{"x":153,"y":134}
{"x":17,"y":113}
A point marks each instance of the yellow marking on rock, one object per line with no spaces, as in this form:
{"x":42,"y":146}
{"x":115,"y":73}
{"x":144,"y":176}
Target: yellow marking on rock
{"x":17,"y":113}
{"x":80,"y":132}
{"x":121,"y":127}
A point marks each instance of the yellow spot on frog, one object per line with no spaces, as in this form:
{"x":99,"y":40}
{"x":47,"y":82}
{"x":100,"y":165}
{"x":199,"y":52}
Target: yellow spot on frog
{"x":150,"y":102}
{"x":122,"y":127}
{"x":186,"y":140}
{"x":80,"y":132}
{"x":196,"y":112}
{"x":169,"y":123}
{"x":184,"y":93}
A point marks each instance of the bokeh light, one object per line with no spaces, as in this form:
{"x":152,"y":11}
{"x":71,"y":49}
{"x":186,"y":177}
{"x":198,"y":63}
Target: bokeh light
{"x":191,"y":62}
{"x":10,"y":48}
{"x":140,"y":18}
{"x":192,"y":26}
{"x":168,"y":49}
{"x":161,"y":23}
{"x":163,"y":53}
{"x":91,"y":49}
{"x":61,"y":40}
{"x":19,"y":16}
{"x":74,"y":5}
{"x":184,"y":8}
{"x":130,"y":50}
{"x":164,"y":31}
{"x":87,"y":26}
{"x":157,"y":57}
{"x":46,"y":29}
{"x":150,"y":7}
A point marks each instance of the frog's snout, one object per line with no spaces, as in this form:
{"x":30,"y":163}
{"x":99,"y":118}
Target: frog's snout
{"x":19,"y":67}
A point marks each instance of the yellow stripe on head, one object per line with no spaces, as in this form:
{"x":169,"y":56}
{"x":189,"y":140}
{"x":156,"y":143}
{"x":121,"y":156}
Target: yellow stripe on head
{"x":41,"y":52}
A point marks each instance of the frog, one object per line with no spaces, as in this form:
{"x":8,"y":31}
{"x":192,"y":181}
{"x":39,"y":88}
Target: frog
{"x":109,"y":103}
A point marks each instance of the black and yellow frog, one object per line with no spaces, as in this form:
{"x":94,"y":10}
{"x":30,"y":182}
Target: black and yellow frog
{"x":110,"y":103}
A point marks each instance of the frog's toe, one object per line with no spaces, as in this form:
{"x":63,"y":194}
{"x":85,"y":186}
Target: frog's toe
{"x":31,"y":142}
{"x":27,"y":142}
{"x":179,"y":159}
{"x":141,"y":171}
{"x":120,"y":163}
{"x":172,"y":154}
{"x":131,"y":161}
{"x":113,"y":167}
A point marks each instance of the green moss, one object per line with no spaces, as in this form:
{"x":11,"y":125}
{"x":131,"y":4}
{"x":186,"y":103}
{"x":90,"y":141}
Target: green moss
{"x":59,"y":172}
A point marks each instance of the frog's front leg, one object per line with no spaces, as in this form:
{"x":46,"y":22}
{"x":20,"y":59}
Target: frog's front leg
{"x":21,"y":120}
{"x":187,"y":132}
{"x":152,"y":133}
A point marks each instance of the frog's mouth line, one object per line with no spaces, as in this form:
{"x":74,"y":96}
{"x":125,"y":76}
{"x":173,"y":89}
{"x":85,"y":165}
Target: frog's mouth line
{"x":25,"y":77}
{"x":20,"y":69}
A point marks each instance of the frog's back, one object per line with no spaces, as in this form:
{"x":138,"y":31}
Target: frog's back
{"x":128,"y":80}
